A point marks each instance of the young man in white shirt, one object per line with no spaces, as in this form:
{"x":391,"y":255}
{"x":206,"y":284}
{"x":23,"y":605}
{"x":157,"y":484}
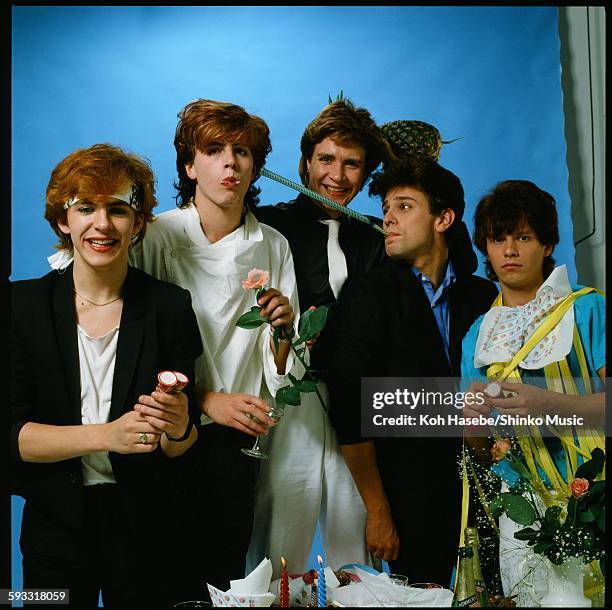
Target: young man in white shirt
{"x":208,"y":245}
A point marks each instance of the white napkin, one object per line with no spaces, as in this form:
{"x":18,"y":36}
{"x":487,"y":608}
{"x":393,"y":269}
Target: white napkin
{"x":379,"y":591}
{"x":255,"y":583}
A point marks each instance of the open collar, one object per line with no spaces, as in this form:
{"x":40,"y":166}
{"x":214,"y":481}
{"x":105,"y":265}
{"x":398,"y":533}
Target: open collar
{"x":129,"y":344}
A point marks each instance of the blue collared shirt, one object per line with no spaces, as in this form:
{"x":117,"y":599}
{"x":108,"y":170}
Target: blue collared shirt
{"x":439,"y":300}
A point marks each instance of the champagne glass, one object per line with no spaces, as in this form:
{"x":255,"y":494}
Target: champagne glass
{"x":255,"y":451}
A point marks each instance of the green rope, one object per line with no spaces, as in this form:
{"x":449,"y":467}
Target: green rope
{"x":313,"y":195}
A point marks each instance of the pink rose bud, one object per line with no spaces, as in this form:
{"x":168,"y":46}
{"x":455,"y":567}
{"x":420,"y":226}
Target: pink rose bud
{"x":579,"y":488}
{"x":257,"y":278}
{"x":500,"y":447}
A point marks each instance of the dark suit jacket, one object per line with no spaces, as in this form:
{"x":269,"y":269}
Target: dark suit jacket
{"x":385,"y":328}
{"x":299,"y":221}
{"x":158,"y":330}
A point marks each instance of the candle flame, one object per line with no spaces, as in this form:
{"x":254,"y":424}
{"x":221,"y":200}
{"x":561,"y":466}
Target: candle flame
{"x":283,"y":562}
{"x":320,"y":560}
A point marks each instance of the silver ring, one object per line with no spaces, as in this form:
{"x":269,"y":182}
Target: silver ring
{"x":143,"y":438}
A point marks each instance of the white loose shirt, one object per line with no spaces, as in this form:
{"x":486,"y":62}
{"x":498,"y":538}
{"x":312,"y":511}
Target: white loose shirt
{"x":97,"y":367}
{"x":176,"y":249}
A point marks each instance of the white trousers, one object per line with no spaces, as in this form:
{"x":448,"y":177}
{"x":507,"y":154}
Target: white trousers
{"x":304,"y":480}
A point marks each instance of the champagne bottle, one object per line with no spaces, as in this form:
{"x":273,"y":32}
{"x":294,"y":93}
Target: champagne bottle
{"x":471,"y":539}
{"x":465,"y":589}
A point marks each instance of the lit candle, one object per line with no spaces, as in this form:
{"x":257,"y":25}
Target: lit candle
{"x":284,"y":586}
{"x":322,"y":591}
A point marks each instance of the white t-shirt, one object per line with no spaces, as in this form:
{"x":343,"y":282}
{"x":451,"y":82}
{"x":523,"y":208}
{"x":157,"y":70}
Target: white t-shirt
{"x":97,"y":364}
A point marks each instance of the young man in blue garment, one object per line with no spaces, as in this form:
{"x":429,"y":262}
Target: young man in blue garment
{"x":407,"y":319}
{"x":516,"y":229}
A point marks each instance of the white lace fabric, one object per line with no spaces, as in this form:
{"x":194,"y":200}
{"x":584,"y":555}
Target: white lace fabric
{"x":504,"y":330}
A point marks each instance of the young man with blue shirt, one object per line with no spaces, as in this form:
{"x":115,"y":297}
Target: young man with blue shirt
{"x":516,"y":229}
{"x":407,"y":319}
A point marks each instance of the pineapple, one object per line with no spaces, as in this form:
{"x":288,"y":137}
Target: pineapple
{"x":413,"y":138}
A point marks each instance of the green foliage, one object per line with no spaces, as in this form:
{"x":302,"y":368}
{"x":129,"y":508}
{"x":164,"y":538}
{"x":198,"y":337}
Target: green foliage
{"x":311,"y":324}
{"x":518,"y":508}
{"x":339,"y":98}
{"x":580,"y":533}
{"x":252,"y":318}
{"x":590,"y":469}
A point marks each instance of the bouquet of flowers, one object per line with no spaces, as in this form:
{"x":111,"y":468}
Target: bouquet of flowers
{"x":573,"y":526}
{"x":311,"y":324}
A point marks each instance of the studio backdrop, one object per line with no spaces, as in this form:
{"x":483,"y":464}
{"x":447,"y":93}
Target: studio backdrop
{"x":489,"y":77}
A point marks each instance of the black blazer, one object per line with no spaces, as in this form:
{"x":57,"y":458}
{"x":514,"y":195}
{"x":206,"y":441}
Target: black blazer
{"x":385,"y":328}
{"x":158,"y":330}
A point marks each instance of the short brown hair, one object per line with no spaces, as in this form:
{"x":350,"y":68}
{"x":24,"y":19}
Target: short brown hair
{"x":204,"y":121}
{"x":95,"y":173}
{"x":348,"y":126}
{"x":508,"y":207}
{"x":442,"y":188}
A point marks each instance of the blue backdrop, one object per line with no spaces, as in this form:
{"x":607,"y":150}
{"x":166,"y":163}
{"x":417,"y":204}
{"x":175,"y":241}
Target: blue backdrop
{"x":487,"y":75}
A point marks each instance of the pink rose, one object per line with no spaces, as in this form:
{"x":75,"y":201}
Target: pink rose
{"x":257,"y":278}
{"x":500,"y":447}
{"x":579,"y":488}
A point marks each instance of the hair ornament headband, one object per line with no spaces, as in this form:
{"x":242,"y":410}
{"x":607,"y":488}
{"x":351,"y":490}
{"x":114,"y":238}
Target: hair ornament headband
{"x":129,"y":196}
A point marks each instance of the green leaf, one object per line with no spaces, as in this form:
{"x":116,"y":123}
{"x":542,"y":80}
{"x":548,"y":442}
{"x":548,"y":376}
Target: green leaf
{"x":289,"y":395}
{"x":551,"y":516}
{"x":591,"y":468}
{"x":519,"y":509}
{"x":526,"y":534}
{"x":312,"y":323}
{"x":596,"y":491}
{"x":601,"y":520}
{"x":251,"y":319}
{"x":586,"y":516}
{"x":307,"y":385}
{"x":540,"y":547}
{"x":281,"y":403}
{"x":496,"y":507}
{"x":602,"y":565}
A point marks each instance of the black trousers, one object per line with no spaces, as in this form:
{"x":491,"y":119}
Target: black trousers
{"x":422,"y":484}
{"x":221,"y":504}
{"x":105,"y":556}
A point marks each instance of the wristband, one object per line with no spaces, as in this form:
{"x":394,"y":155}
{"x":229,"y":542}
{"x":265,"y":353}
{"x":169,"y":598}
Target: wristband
{"x":182,"y":438}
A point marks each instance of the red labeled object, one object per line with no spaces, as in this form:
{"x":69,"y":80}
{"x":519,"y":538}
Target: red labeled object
{"x":181,"y":379}
{"x":167,"y":382}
